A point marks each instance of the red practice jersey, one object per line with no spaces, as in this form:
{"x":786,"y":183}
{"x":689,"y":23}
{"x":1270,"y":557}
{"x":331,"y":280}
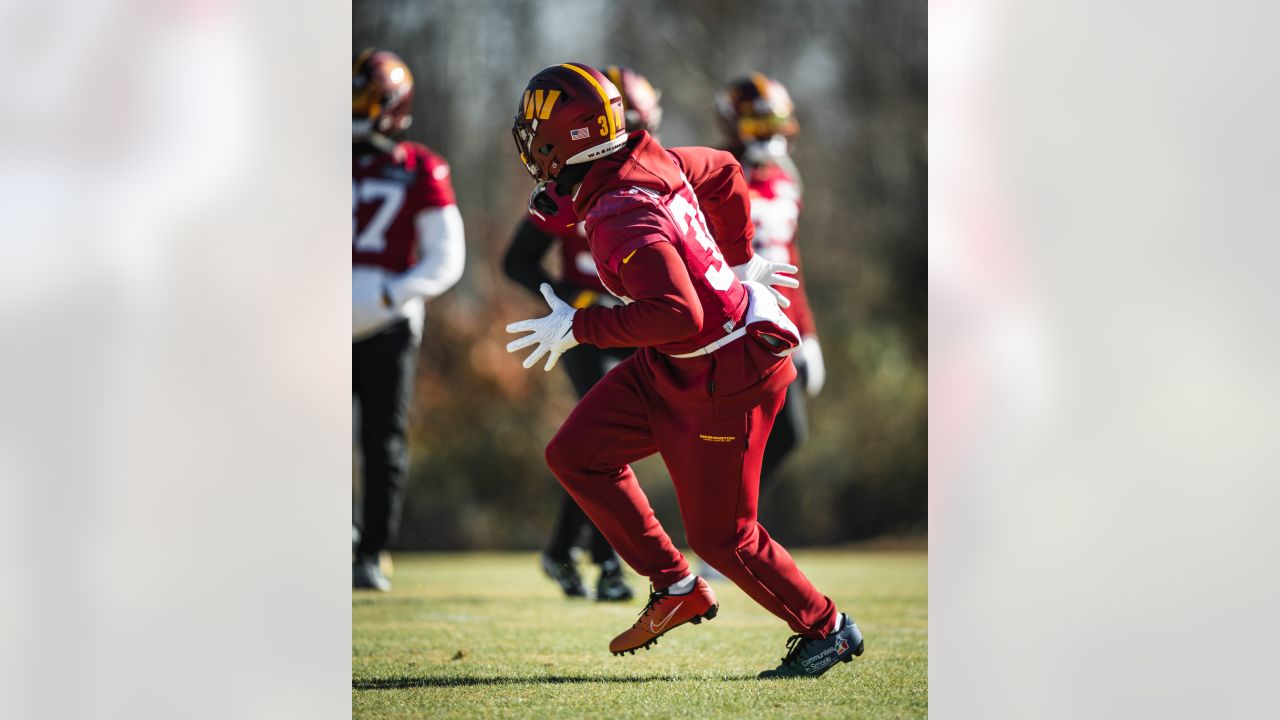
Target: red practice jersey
{"x":695,"y":200}
{"x":628,"y":219}
{"x":388,"y":190}
{"x":775,"y":210}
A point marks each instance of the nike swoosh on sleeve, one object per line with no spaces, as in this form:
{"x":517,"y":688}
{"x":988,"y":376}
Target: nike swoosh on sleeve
{"x":628,"y":257}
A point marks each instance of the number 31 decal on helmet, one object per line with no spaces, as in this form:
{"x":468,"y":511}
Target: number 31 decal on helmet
{"x":569,"y":114}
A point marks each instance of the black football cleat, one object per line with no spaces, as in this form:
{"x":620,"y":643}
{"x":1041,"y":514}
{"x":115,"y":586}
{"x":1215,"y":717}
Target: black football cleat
{"x":565,"y":574}
{"x":366,"y":573}
{"x":611,"y":587}
{"x":807,"y":657}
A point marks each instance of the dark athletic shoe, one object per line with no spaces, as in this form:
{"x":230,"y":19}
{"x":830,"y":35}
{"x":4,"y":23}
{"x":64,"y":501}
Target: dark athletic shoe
{"x":807,"y":657}
{"x":610,"y":587}
{"x":366,"y":573}
{"x":565,"y":574}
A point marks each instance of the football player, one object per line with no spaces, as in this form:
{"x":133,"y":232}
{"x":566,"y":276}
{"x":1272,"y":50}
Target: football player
{"x":580,"y":284}
{"x":759,"y":120}
{"x":670,"y":234}
{"x":407,"y":247}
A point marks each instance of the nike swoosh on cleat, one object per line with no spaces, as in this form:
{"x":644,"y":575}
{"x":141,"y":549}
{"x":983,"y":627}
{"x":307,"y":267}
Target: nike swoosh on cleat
{"x":665,"y":620}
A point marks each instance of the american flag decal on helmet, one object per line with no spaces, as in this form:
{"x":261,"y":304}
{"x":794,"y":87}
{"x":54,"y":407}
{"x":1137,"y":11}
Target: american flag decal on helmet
{"x":579,"y":134}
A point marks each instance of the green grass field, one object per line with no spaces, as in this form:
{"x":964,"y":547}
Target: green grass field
{"x":485,"y":635}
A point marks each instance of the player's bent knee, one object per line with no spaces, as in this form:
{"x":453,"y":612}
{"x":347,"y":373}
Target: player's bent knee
{"x":560,"y":456}
{"x":572,"y":463}
{"x":554,"y":454}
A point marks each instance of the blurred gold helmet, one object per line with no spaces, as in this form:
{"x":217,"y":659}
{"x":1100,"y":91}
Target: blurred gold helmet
{"x":381,"y":93}
{"x":756,"y":109}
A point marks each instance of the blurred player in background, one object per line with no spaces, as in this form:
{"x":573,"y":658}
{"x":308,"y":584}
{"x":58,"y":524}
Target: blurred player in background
{"x":407,"y":246}
{"x":759,"y":120}
{"x":580,"y":283}
{"x":708,"y":377}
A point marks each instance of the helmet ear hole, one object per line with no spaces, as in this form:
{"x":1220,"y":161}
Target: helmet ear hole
{"x":546,"y":149}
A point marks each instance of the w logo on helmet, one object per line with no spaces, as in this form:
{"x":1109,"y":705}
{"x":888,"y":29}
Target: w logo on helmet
{"x":539,"y":103}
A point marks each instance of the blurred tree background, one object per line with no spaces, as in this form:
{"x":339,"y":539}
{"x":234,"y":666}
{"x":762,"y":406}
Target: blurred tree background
{"x":858,"y":74}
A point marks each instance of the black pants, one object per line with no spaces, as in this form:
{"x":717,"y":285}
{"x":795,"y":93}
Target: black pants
{"x":382,"y":374}
{"x":586,"y":364}
{"x":790,"y":431}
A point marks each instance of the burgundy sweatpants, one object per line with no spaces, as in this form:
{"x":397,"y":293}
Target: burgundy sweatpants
{"x":715,"y":467}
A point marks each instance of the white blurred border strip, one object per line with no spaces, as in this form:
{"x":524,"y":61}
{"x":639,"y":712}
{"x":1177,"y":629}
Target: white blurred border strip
{"x":174,"y":434}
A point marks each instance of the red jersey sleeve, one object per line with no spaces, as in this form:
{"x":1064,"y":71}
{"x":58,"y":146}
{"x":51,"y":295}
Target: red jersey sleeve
{"x":665,"y":308}
{"x":622,"y":224}
{"x":722,"y":192}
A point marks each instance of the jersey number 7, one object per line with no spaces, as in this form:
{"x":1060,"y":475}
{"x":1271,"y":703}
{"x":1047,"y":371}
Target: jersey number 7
{"x":389,"y":196}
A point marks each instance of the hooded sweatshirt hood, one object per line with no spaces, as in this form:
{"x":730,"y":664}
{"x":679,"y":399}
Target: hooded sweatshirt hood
{"x":641,"y":163}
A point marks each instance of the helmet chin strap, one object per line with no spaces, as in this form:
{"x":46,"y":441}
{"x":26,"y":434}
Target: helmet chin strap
{"x":570,"y":176}
{"x":373,"y":142}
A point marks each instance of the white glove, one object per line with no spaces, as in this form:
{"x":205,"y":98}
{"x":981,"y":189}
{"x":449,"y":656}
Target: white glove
{"x":815,"y":370}
{"x":760,"y":270}
{"x":553,"y":333}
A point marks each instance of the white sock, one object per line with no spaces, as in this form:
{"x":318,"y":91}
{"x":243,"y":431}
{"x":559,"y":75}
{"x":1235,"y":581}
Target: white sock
{"x":682,"y":587}
{"x":838,"y":624}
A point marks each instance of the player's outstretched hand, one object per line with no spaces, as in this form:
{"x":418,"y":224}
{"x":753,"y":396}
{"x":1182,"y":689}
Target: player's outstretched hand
{"x":760,"y":270}
{"x":553,"y":334}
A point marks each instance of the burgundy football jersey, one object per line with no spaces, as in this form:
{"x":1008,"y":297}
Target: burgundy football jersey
{"x":624,"y":220}
{"x":388,"y":190}
{"x":775,"y":210}
{"x":641,"y":197}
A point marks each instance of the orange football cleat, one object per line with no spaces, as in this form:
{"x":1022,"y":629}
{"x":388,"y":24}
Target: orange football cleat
{"x":665,"y":612}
